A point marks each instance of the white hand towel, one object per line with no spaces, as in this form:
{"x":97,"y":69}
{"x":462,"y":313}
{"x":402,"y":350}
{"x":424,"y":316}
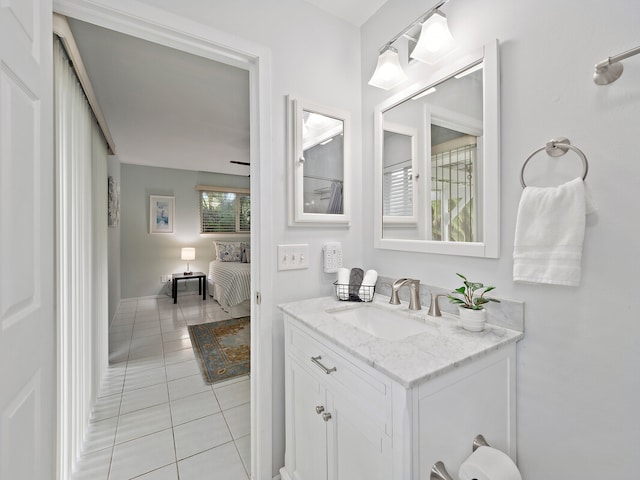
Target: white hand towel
{"x":368,"y":282}
{"x":342,"y":287}
{"x":549,"y":234}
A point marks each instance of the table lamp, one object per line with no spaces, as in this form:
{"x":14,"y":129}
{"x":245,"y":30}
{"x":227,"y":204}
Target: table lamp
{"x":188,"y":254}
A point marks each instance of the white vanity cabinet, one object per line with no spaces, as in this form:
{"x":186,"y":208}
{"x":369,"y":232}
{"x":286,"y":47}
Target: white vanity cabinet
{"x":330,"y":433}
{"x":356,"y":422}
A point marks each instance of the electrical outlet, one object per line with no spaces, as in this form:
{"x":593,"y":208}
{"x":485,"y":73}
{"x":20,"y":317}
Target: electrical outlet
{"x":293,"y":257}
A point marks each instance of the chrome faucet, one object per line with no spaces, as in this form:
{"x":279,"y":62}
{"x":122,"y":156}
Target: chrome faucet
{"x":414,"y":292}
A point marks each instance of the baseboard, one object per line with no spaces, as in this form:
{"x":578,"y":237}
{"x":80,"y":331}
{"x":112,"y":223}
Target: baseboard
{"x":181,"y":293}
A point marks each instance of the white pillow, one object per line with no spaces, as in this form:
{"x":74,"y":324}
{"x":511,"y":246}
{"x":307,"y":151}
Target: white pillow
{"x":228,"y":251}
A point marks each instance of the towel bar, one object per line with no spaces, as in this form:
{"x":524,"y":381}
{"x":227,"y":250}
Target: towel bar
{"x":439,"y":471}
{"x":556,"y":147}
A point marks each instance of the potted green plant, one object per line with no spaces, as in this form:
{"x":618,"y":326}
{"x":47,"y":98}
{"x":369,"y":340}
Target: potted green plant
{"x":471,"y":299}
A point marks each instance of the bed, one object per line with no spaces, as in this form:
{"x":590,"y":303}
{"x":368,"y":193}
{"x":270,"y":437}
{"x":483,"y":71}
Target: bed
{"x":230,"y":285}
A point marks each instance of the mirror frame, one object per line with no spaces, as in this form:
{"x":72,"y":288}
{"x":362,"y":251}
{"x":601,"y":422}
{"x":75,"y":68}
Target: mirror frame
{"x":295,"y":165}
{"x":490,"y":246}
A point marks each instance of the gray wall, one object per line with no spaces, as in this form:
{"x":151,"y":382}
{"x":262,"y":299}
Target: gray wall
{"x":578,"y":386}
{"x":144,"y":256}
{"x":113,"y":242}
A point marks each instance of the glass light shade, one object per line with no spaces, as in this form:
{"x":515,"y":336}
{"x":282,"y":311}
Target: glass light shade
{"x":435,"y":40}
{"x":188,"y":254}
{"x":388,"y":72}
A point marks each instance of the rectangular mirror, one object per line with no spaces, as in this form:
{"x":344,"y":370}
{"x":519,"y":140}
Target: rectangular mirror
{"x":319,"y":164}
{"x":437,"y":161}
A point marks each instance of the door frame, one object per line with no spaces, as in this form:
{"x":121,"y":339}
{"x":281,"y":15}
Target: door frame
{"x":164,"y":28}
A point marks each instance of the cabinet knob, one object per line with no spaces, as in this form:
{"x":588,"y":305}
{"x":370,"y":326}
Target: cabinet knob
{"x":319,"y":409}
{"x":326,"y":416}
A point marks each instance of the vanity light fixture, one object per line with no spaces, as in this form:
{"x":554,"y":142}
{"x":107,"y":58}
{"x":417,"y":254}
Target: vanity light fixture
{"x":434,"y":42}
{"x":435,"y":39}
{"x":187,"y":254}
{"x":388,"y":72}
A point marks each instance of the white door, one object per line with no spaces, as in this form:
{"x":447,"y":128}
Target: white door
{"x":358,"y":449}
{"x":27,"y":330}
{"x":309,"y":442}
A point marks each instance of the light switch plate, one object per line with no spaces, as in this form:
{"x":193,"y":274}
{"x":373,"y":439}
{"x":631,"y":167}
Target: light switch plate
{"x":293,"y":257}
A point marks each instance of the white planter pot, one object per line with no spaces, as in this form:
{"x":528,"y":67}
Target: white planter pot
{"x":473,"y":320}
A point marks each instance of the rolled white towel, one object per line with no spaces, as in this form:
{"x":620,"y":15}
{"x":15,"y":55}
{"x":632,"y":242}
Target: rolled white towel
{"x":368,"y":282}
{"x":342,"y":288}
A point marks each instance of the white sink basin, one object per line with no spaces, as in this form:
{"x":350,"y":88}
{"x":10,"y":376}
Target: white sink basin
{"x":380,"y":322}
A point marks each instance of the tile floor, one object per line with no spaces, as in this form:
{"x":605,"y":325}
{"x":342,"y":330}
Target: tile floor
{"x":155,"y":418}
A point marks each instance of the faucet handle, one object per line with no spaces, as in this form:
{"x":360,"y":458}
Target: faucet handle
{"x":434,"y":307}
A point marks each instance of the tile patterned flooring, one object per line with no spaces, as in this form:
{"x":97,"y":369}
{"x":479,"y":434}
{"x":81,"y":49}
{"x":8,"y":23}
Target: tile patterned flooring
{"x":155,"y":418}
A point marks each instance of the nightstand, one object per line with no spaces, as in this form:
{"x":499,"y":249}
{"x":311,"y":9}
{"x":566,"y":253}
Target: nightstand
{"x":202,"y":284}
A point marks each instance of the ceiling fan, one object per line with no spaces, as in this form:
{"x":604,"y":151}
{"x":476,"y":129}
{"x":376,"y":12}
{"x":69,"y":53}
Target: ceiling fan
{"x":240,"y":163}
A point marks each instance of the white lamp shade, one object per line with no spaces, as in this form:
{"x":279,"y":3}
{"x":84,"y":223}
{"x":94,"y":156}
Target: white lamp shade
{"x":435,"y":40}
{"x":188,"y":254}
{"x":388,"y":72}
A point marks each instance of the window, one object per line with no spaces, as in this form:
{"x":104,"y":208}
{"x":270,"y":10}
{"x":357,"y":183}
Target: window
{"x":224,"y":210}
{"x":398,"y":191}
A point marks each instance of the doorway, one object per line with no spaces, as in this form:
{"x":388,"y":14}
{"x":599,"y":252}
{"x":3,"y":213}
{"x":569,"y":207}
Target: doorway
{"x":178,"y":33}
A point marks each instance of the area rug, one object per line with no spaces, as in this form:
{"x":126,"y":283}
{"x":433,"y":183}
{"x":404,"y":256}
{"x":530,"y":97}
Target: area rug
{"x":222,"y":348}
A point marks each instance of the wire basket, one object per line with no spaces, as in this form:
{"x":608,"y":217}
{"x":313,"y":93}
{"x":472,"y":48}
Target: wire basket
{"x":354,"y":293}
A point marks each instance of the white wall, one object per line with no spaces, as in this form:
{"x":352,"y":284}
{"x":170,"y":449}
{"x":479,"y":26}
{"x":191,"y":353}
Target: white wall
{"x":578,"y":382}
{"x":145,"y":257}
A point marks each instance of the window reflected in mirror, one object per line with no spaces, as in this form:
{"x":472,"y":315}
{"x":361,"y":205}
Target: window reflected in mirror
{"x":454,"y":194}
{"x":399,"y":174}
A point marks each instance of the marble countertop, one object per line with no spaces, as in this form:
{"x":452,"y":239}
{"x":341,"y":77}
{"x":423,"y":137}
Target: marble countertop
{"x":409,"y":361}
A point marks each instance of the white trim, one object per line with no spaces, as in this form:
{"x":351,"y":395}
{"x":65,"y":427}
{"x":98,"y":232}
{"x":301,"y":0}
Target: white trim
{"x":61,"y":29}
{"x":158,"y":26}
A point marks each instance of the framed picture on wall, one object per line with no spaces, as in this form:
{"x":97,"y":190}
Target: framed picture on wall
{"x":113,"y":202}
{"x":161,"y":211}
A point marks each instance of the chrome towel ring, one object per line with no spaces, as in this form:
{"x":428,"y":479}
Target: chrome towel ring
{"x":556,"y":147}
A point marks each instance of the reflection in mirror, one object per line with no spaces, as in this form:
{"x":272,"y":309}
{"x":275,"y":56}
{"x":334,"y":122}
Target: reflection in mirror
{"x":318,"y":164}
{"x":399,"y":145}
{"x":449,"y":117}
{"x":323,"y":166}
{"x":454,"y":190}
{"x":438,"y":182}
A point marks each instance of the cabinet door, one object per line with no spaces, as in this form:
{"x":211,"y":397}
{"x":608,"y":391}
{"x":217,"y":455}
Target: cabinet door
{"x":357,"y":450}
{"x":309,"y":444}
